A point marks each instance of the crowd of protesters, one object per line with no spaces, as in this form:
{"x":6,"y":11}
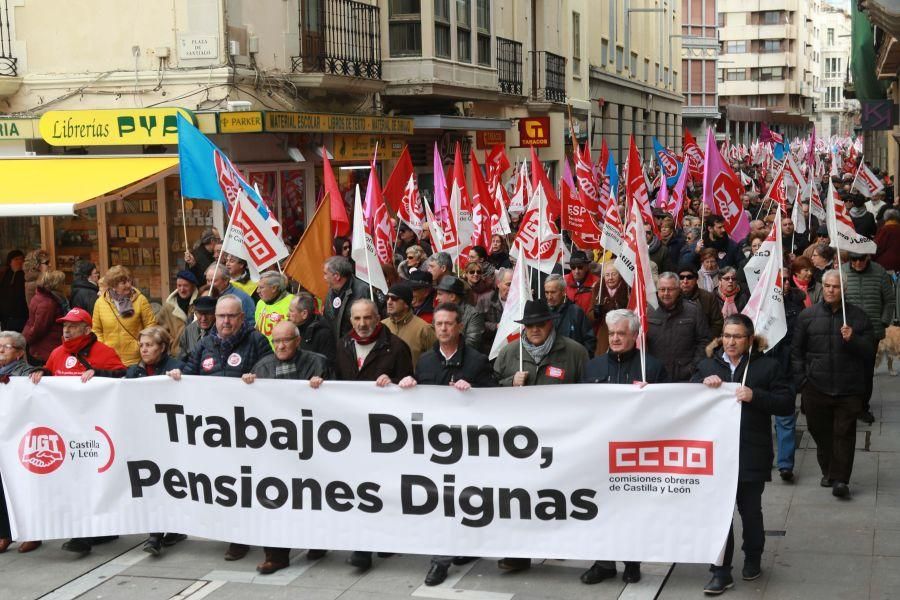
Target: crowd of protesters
{"x":436,"y":325}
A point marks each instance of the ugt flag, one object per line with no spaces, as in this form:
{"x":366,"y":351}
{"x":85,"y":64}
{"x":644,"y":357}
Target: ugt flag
{"x":251,"y":238}
{"x":667,"y":161}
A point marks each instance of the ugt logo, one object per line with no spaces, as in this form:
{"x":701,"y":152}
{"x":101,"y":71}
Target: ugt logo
{"x":42,"y":450}
{"x":670,"y":165}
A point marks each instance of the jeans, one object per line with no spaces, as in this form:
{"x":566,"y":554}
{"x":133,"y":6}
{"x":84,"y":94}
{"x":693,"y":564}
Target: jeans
{"x":749,"y":505}
{"x":786,"y":436}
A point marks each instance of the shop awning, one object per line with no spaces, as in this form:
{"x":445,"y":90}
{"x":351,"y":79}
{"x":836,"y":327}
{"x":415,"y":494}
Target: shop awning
{"x":46,"y":186}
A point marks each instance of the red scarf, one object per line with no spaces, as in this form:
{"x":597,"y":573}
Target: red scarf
{"x":365,"y":341}
{"x":804,"y":287}
{"x":76,"y":345}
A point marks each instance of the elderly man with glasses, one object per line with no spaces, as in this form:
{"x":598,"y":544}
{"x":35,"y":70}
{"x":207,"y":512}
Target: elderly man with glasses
{"x":687,"y":276}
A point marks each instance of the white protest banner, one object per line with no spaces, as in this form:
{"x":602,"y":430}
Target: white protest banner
{"x":597,"y":471}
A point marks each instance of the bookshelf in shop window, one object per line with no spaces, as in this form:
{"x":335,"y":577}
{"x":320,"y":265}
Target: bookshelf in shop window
{"x":76,"y":238}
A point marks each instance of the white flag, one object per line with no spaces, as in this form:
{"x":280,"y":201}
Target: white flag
{"x":251,"y":238}
{"x":815,"y":203}
{"x":797,"y":215}
{"x":362,"y":250}
{"x":508,"y":330}
{"x":612,"y":236}
{"x":634,"y":249}
{"x":758,"y":261}
{"x":766,"y":305}
{"x":841,"y":233}
{"x":866,"y":181}
{"x":437,"y":232}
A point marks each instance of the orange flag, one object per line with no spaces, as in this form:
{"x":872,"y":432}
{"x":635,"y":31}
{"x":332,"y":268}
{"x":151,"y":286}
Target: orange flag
{"x":305,"y":263}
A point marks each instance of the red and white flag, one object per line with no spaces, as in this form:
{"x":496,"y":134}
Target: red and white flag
{"x":537,"y":237}
{"x":378,"y":221}
{"x":777,"y":193}
{"x":577,"y":218}
{"x":757,"y":262}
{"x":402,"y":194}
{"x":722,"y":191}
{"x":766,"y":305}
{"x":636,"y":186}
{"x":461,"y":209}
{"x":797,"y":214}
{"x":362,"y":250}
{"x":522,"y":192}
{"x":508,"y":330}
{"x":694,"y":156}
{"x":635,"y":261}
{"x":841,"y":233}
{"x":816,"y":208}
{"x":613,"y":236}
{"x":252,"y":238}
{"x":794,"y":177}
{"x":866,"y":181}
{"x":482,"y":206}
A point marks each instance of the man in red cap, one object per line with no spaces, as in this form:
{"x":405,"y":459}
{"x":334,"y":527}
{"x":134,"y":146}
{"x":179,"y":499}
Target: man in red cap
{"x":81,"y":355}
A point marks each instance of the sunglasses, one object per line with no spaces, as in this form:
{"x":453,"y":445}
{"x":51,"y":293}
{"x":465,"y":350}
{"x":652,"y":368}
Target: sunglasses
{"x":688,"y":276}
{"x":476,"y":272}
{"x":860,"y":259}
{"x":728,"y":279}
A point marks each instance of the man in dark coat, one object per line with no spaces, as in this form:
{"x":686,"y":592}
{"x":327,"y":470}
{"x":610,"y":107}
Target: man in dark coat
{"x":450,"y":362}
{"x":344,"y":289}
{"x":620,"y":364}
{"x":203,"y":323}
{"x":765,"y":390}
{"x":571,"y":321}
{"x":288,"y":361}
{"x":316,"y":333}
{"x":828,"y":356}
{"x":369,"y":352}
{"x":84,"y":285}
{"x":687,"y":276}
{"x":678,"y":333}
{"x":13,"y":305}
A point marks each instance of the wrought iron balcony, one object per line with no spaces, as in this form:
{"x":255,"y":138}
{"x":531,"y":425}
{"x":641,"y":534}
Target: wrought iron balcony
{"x":548,"y":76}
{"x":509,"y":66}
{"x":8,"y":63}
{"x":339,"y":37}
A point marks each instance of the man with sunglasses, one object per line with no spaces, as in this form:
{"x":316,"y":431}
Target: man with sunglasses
{"x":580,"y":281}
{"x":869,"y":287}
{"x":687,"y":278}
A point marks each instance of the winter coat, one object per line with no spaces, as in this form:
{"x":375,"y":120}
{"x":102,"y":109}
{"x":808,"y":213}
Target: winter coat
{"x":607,"y":304}
{"x":492,"y":309}
{"x":41,"y":331}
{"x":740,"y":299}
{"x":888,"y":241}
{"x":822,"y":359}
{"x":228,"y":358}
{"x":189,"y":341}
{"x":624,"y":367}
{"x":710,"y":306}
{"x":204,"y":259}
{"x":20,"y":368}
{"x":95,"y":355}
{"x":417,"y":334}
{"x":864,"y":224}
{"x":337,"y":304}
{"x":248,"y":304}
{"x":563,"y":364}
{"x":13,"y":305}
{"x":467,"y":364}
{"x":773,"y":394}
{"x":308,"y":364}
{"x":166,"y":363}
{"x":582,"y":294}
{"x":873,"y":291}
{"x":390,"y":357}
{"x":318,"y":337}
{"x":84,"y":295}
{"x":574,"y":324}
{"x":122,"y":333}
{"x":678,"y":338}
{"x":473,"y":326}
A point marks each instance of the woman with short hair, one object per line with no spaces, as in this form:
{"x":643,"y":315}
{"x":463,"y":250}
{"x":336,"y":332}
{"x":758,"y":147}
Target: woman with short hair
{"x":41,"y":331}
{"x":120,"y":314}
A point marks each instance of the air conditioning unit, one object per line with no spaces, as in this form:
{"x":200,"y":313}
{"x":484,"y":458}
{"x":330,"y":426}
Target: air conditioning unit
{"x":238,"y":105}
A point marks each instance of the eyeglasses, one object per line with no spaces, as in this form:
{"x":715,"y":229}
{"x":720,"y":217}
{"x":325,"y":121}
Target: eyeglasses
{"x":688,"y":276}
{"x":287,"y":340}
{"x":9,"y":347}
{"x":727,"y":279}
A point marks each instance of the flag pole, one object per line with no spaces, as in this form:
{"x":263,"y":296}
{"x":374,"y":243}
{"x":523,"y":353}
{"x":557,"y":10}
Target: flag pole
{"x":234,"y":209}
{"x":841,"y":279}
{"x":184,"y":225}
{"x":643,"y":352}
{"x":747,"y":368}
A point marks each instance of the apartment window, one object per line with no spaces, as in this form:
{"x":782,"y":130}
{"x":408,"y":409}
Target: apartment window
{"x":770,"y":46}
{"x":604,"y":53}
{"x":576,"y":44}
{"x":405,"y":27}
{"x":666,"y":77}
{"x":734,"y":74}
{"x":442,"y":28}
{"x":772,"y":99}
{"x":620,"y":58}
{"x":736,"y":47}
{"x":771,"y":17}
{"x":658,"y":72}
{"x":771,"y":73}
{"x":464,"y":30}
{"x":483,"y":25}
{"x":830,"y":36}
{"x":646,"y":70}
{"x":721,"y":19}
{"x":632,"y":66}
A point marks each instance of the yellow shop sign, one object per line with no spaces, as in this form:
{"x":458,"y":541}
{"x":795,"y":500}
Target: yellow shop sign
{"x":116,"y":127}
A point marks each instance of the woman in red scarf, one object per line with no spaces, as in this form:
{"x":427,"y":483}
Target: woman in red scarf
{"x":802,"y":270}
{"x":732,"y":298}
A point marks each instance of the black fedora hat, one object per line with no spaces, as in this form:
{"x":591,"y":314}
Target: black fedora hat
{"x":419,"y":279}
{"x":536,"y":311}
{"x":452,"y":284}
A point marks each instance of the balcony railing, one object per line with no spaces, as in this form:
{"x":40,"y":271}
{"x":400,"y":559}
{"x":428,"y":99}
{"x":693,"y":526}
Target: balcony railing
{"x":548,"y":76}
{"x":339,"y":37}
{"x":509,"y":66}
{"x":8,"y":64}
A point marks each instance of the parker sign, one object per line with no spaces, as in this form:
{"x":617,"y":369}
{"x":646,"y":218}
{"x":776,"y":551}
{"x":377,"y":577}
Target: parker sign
{"x":598,"y":471}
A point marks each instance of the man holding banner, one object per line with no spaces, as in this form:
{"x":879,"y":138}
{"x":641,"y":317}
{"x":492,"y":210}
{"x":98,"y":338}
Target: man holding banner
{"x":764,"y":391}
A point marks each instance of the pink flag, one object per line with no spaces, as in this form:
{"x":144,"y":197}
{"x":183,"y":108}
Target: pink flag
{"x":441,"y":203}
{"x":722,"y":191}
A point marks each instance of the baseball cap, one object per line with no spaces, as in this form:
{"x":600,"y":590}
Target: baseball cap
{"x":77,"y":315}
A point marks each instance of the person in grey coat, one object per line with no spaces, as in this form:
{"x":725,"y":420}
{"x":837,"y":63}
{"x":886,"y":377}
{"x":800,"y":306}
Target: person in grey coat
{"x":452,"y":290}
{"x":344,"y":289}
{"x":571,"y":321}
{"x":678,"y":332}
{"x":199,"y":328}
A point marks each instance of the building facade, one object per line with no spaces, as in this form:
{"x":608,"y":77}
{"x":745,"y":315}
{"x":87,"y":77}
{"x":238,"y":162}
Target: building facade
{"x":835,"y":115}
{"x":699,"y":53}
{"x":768,"y":66}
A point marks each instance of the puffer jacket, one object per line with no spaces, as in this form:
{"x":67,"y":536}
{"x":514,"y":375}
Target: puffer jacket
{"x":623,"y":367}
{"x":773,"y":394}
{"x":678,"y":338}
{"x":121,"y":333}
{"x":563,"y":364}
{"x":165,"y":363}
{"x":84,"y":294}
{"x":873,"y":291}
{"x":228,"y":358}
{"x":466,"y":364}
{"x":821,"y":358}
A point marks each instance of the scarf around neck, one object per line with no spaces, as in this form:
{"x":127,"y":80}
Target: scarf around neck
{"x":123,"y":304}
{"x":538,"y":353}
{"x":706,"y":279}
{"x":365,"y":341}
{"x":76,"y":345}
{"x":803,"y":286}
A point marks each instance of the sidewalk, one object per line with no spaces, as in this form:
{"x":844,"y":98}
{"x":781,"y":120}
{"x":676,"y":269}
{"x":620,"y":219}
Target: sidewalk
{"x":817,"y":547}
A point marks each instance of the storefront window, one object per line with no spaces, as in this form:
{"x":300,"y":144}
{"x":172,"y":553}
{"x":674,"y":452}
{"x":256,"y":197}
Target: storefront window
{"x":75,"y":238}
{"x":19,"y":233}
{"x":133,"y":239}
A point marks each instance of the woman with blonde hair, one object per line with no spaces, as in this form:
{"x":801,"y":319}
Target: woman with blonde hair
{"x":41,"y":331}
{"x":35,"y":264}
{"x":120,"y":314}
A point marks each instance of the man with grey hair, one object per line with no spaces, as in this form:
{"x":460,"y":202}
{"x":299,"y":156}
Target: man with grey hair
{"x":344,"y":288}
{"x":678,"y":331}
{"x":220,"y":285}
{"x":315,"y":333}
{"x":828,"y":356}
{"x":571,"y":322}
{"x":620,"y":364}
{"x":274,"y":302}
{"x":439,"y":265}
{"x":491,"y":306}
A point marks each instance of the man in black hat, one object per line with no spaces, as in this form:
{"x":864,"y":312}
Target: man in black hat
{"x":451,"y":289}
{"x":687,"y":280}
{"x":420,"y":281}
{"x":401,"y":321}
{"x":199,"y":328}
{"x":546,"y":359}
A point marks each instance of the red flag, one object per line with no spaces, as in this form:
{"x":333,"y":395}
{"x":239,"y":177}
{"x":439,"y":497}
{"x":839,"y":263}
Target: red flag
{"x":604,"y":156}
{"x":636,"y":186}
{"x":496,"y":162}
{"x":377,"y":220}
{"x":408,"y":204}
{"x":482,"y":206}
{"x":539,"y":178}
{"x":340,"y":222}
{"x":722,"y":191}
{"x":588,"y":188}
{"x":694,"y":156}
{"x":396,"y":183}
{"x":577,"y":218}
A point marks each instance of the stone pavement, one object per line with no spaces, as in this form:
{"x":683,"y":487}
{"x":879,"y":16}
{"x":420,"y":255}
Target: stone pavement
{"x":817,"y":547}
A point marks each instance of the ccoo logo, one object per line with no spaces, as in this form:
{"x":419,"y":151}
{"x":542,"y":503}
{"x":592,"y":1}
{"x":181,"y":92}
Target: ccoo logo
{"x":42,"y":450}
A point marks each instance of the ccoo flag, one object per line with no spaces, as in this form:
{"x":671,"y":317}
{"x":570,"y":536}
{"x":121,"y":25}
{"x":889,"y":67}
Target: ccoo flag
{"x":766,"y":305}
{"x":722,"y":191}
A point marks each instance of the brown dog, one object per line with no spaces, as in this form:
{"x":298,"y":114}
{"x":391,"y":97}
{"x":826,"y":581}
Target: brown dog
{"x":889,"y":347}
